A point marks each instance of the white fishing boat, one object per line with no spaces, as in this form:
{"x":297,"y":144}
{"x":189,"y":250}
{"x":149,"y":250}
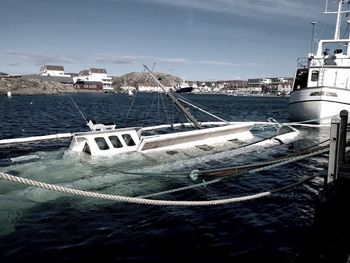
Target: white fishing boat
{"x":321,"y":86}
{"x":130,"y":93}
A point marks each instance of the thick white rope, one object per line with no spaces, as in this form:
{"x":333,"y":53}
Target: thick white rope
{"x":137,"y":200}
{"x":134,"y":200}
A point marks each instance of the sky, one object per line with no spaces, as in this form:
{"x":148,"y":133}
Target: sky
{"x":192,"y":39}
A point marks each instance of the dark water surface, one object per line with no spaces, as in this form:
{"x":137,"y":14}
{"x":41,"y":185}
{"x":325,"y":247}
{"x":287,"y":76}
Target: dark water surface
{"x":41,"y":226}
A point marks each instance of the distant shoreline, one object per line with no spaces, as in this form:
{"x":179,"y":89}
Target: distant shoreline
{"x":34,"y":86}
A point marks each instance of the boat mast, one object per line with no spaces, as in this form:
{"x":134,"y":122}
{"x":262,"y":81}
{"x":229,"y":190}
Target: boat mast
{"x":339,"y":13}
{"x":175,"y":100}
{"x":337,"y":27}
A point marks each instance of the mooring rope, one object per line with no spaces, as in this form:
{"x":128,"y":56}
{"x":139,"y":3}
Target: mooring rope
{"x":229,"y":170}
{"x":269,"y":165}
{"x":143,"y":200}
{"x":303,"y":154}
{"x":137,"y":200}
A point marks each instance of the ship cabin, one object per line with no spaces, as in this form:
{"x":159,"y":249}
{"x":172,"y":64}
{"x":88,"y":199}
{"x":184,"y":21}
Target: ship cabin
{"x":106,"y":142}
{"x":330,"y":67}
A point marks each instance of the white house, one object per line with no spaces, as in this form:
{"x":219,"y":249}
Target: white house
{"x":266,"y":81}
{"x":53,"y":71}
{"x":95,"y":75}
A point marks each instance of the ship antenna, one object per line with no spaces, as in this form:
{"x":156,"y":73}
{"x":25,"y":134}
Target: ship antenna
{"x":312,"y":36}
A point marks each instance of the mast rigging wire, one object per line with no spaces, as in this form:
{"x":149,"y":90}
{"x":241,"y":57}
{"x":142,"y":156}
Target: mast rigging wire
{"x":77,"y":108}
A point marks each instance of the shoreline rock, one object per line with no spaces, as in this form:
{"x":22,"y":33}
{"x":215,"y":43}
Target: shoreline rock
{"x":23,"y":86}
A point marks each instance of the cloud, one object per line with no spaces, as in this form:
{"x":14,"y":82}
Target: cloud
{"x":223,"y":63}
{"x":39,"y":58}
{"x":14,"y":64}
{"x":256,"y":8}
{"x":118,"y":59}
{"x":133,"y":59}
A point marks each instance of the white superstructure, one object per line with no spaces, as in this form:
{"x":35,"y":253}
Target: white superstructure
{"x":321,"y":87}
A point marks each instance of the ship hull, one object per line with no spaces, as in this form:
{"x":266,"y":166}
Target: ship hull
{"x":186,"y":89}
{"x":318,"y":105}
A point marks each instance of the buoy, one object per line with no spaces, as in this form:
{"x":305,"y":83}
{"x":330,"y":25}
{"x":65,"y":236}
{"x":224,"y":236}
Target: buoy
{"x":9,"y":94}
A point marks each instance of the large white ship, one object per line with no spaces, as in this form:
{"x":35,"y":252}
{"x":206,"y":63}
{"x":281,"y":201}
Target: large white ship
{"x":321,"y":86}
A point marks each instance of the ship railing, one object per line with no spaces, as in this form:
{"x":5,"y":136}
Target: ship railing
{"x":330,"y":61}
{"x":302,"y":62}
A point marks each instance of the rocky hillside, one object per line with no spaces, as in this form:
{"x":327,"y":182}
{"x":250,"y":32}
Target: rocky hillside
{"x":24,"y":86}
{"x":136,"y":79}
{"x":35,"y":85}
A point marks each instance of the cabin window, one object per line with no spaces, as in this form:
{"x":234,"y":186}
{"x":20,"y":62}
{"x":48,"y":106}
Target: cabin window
{"x":101,"y":143}
{"x":314,"y":75}
{"x":317,"y":93}
{"x":115,"y":141}
{"x":128,"y":140}
{"x":331,"y":94}
{"x":87,"y":149}
{"x":300,"y":81}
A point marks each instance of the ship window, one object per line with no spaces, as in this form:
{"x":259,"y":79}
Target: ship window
{"x":87,"y":149}
{"x":128,"y":140}
{"x":314,"y":75}
{"x":317,"y":93}
{"x":331,"y":94}
{"x":101,"y":143}
{"x":115,"y":141}
{"x":301,"y":77}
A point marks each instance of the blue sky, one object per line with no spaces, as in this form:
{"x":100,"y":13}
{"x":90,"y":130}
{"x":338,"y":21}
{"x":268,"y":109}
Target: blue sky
{"x":193,"y":39}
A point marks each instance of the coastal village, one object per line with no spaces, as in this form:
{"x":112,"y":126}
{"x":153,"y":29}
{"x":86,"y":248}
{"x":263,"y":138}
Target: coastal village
{"x":98,"y":80}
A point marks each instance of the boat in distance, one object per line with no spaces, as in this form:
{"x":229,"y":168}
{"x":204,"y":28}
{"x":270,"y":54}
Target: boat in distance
{"x":321,"y":87}
{"x":183,"y":87}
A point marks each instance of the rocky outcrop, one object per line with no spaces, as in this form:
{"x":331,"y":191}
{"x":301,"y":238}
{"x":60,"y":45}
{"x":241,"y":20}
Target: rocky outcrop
{"x":136,"y":79}
{"x":25,"y":86}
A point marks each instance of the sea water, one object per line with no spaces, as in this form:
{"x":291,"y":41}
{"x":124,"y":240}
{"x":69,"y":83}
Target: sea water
{"x":41,"y":225}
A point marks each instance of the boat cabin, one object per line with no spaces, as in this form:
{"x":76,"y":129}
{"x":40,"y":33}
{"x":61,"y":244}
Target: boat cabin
{"x":330,"y":67}
{"x":106,"y":142}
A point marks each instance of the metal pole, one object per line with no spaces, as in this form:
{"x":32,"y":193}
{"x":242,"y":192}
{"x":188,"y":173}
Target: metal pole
{"x":312,"y":36}
{"x":333,"y":151}
{"x":342,"y":139}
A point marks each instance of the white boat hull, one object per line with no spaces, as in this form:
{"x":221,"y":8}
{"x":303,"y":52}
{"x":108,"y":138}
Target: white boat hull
{"x":196,"y":137}
{"x":318,"y":104}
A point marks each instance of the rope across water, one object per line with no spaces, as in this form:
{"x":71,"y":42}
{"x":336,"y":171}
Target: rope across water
{"x":137,"y":200}
{"x":312,"y":151}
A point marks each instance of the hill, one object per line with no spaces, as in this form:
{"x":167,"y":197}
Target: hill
{"x":136,"y":79}
{"x":38,"y":85}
